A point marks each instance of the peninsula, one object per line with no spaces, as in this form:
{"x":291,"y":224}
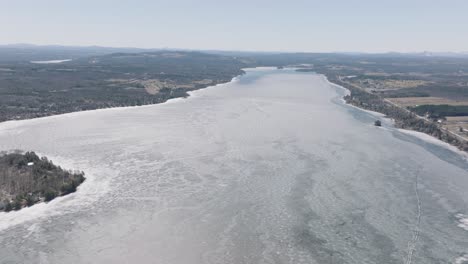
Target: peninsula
{"x":27,"y":179}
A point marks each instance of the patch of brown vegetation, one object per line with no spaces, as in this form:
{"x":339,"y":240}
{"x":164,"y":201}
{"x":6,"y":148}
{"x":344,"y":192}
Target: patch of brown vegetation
{"x":388,"y":84}
{"x":204,"y":81}
{"x":454,"y":123}
{"x":414,"y":101}
{"x":153,"y":86}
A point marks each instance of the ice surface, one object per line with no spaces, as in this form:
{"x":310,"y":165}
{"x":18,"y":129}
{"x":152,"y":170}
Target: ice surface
{"x":270,"y":168}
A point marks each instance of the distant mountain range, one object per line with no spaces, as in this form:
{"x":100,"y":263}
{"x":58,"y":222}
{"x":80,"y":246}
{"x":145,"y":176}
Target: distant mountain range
{"x":30,"y":52}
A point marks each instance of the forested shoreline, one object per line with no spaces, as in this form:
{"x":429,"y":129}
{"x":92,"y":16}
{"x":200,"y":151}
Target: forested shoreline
{"x":27,"y":179}
{"x":403,"y":119}
{"x":29,"y":90}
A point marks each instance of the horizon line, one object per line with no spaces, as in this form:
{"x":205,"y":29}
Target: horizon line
{"x":232,"y":50}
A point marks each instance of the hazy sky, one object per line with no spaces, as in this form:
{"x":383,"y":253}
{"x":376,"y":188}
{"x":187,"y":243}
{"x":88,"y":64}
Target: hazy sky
{"x":331,"y":25}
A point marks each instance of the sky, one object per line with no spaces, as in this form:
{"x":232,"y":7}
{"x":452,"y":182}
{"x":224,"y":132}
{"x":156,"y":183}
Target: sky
{"x":255,"y":25}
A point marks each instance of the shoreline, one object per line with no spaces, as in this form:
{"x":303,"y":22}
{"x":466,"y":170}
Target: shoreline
{"x":28,"y":167}
{"x":8,"y":124}
{"x":348,"y":92}
{"x":191,"y":93}
{"x":90,"y":190}
{"x":432,"y":140}
{"x":420,"y":135}
{"x":93,"y":187}
{"x":11,"y":124}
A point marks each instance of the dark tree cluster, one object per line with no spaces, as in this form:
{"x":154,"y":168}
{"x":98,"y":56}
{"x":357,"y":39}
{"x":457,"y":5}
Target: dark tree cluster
{"x":26,"y":179}
{"x":439,"y":111}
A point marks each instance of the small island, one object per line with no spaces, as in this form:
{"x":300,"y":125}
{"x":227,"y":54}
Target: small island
{"x":27,"y":179}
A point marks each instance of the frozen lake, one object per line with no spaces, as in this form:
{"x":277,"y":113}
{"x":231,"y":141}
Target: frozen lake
{"x":270,"y":168}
